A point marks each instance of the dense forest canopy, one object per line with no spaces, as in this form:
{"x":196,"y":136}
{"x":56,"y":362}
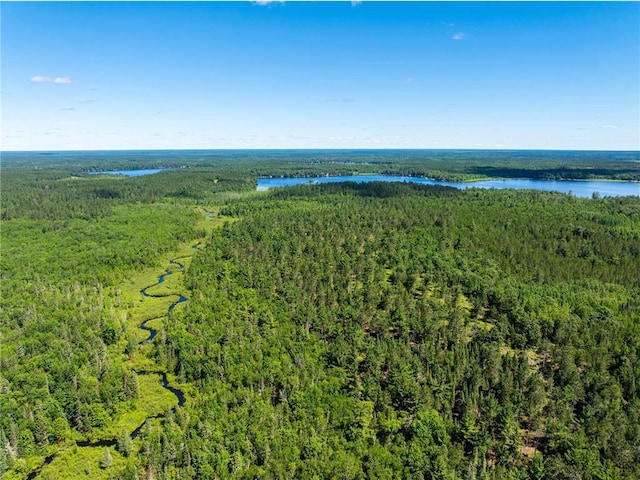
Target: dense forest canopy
{"x":335,"y":331}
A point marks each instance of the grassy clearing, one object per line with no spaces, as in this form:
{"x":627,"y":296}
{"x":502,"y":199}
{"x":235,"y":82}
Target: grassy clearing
{"x":141,"y":362}
{"x":85,"y":463}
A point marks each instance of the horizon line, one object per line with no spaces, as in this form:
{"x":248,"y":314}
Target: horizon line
{"x":321,"y":149}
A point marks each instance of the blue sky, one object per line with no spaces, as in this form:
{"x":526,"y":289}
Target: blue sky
{"x":107,"y":75}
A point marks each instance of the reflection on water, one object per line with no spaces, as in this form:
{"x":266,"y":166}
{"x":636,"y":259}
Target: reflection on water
{"x":575,"y":187}
{"x":129,"y":173}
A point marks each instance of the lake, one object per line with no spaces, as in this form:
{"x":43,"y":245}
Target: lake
{"x":129,"y":173}
{"x":579,"y":188}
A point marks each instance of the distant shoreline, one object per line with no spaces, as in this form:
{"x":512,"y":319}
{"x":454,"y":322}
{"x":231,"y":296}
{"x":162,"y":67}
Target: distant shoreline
{"x":308,"y":150}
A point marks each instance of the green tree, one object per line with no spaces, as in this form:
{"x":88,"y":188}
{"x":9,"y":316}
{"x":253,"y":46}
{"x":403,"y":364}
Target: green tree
{"x":61,"y":429}
{"x":109,"y":334}
{"x":125,"y":445}
{"x":107,"y":460}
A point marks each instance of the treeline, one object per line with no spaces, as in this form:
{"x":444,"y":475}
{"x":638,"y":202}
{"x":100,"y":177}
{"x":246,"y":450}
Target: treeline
{"x":59,"y":194}
{"x":449,"y":165}
{"x":400,"y":331}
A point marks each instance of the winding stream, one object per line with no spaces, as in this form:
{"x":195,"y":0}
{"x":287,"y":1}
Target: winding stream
{"x":179,"y":394}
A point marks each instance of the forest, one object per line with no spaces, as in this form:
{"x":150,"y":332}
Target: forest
{"x":182,"y":325}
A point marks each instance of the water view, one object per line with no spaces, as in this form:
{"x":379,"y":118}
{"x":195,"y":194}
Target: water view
{"x":129,"y":173}
{"x":578,"y":188}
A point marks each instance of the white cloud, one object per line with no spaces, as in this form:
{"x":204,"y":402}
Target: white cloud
{"x":458,"y":36}
{"x":264,"y":3}
{"x":610,"y":126}
{"x":44,"y":79}
{"x":355,"y":3}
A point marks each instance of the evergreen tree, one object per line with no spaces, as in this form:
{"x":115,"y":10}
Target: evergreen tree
{"x":107,"y":460}
{"x":125,"y":445}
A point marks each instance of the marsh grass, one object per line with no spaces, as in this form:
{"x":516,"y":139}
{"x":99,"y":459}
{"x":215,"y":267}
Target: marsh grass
{"x":77,"y":463}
